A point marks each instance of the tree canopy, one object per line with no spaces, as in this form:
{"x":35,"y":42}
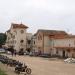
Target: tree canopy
{"x":3,"y":38}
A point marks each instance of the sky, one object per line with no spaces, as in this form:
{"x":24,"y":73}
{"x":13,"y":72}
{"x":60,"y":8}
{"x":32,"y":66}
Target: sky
{"x":38,"y":14}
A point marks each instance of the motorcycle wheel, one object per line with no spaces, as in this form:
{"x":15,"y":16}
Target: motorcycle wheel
{"x":28,"y":70}
{"x":18,"y":72}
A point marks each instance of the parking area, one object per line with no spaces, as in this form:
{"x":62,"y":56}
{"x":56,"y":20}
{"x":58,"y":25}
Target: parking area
{"x":46,"y":66}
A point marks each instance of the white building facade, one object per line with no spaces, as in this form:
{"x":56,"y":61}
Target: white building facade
{"x":34,"y":44}
{"x":64,"y":47}
{"x":16,"y":36}
{"x":55,"y":43}
{"x":44,"y":40}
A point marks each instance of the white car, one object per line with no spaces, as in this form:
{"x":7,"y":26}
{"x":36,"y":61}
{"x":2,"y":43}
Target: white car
{"x":70,"y":60}
{"x":31,"y":54}
{"x":8,"y":52}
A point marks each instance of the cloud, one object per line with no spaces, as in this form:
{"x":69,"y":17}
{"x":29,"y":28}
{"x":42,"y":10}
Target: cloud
{"x":46,"y":14}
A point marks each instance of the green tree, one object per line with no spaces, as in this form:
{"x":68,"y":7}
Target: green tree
{"x":3,"y":38}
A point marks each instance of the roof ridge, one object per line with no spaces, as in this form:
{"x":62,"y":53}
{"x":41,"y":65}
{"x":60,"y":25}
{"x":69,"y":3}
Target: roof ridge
{"x":52,"y":31}
{"x":16,"y":25}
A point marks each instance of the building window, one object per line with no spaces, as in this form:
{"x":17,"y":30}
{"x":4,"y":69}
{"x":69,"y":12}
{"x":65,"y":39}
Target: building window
{"x":69,"y":45}
{"x":34,"y":42}
{"x":21,"y":41}
{"x":68,"y":50}
{"x":74,"y":50}
{"x":13,"y":36}
{"x":8,"y":38}
{"x":15,"y":31}
{"x":74,"y":42}
{"x":39,"y":37}
{"x":22,"y":31}
{"x":15,"y":41}
{"x":28,"y":41}
{"x":21,"y":49}
{"x":56,"y":51}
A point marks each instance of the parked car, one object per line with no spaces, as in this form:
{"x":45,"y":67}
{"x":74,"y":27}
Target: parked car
{"x":31,"y":54}
{"x":45,"y":55}
{"x":70,"y":60}
{"x":2,"y":50}
{"x":26,"y":53}
{"x":21,"y":52}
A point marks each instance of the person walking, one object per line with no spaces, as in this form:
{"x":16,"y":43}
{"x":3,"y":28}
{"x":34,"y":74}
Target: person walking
{"x":15,"y":52}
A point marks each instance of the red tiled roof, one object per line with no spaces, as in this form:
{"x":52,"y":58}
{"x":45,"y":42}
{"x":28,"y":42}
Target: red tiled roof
{"x":8,"y":30}
{"x":19,"y":25}
{"x":70,"y":36}
{"x":63,"y":37}
{"x":52,"y":32}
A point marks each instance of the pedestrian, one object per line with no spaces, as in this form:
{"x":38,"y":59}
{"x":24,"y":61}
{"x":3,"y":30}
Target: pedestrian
{"x":12,"y":53}
{"x":15,"y":52}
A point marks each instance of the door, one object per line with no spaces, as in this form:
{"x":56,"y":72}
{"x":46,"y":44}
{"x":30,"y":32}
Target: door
{"x":63,"y":54}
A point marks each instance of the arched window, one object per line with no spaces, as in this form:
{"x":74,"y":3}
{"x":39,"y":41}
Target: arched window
{"x":21,"y":41}
{"x":13,"y":36}
{"x":15,"y":31}
{"x":34,"y":42}
{"x":39,"y":37}
{"x":28,"y":41}
{"x":22,"y":31}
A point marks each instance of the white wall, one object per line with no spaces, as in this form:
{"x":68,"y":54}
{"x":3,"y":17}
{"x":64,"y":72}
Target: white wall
{"x":62,"y":44}
{"x":67,"y":42}
{"x":18,"y":37}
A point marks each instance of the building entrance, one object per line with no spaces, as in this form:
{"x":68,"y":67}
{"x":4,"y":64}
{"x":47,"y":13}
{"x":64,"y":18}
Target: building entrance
{"x":63,"y":54}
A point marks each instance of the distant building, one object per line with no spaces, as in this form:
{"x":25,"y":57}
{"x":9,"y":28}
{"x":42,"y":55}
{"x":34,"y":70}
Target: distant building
{"x":17,"y":36}
{"x":64,"y":47}
{"x":49,"y":42}
{"x":44,"y":42}
{"x":34,"y":44}
{"x":55,"y":43}
{"x":28,"y":41}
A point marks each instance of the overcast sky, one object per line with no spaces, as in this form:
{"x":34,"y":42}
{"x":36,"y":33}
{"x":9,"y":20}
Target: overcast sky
{"x":38,"y":14}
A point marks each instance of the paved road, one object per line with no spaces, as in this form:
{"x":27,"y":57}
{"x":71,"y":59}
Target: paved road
{"x":43,"y":66}
{"x":8,"y":70}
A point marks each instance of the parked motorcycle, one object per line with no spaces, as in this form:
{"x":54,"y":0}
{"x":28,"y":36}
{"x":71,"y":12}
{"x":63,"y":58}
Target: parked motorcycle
{"x":20,"y":68}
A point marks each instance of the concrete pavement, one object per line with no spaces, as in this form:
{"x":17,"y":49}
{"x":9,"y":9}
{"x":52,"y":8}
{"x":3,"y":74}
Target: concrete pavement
{"x":43,"y":66}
